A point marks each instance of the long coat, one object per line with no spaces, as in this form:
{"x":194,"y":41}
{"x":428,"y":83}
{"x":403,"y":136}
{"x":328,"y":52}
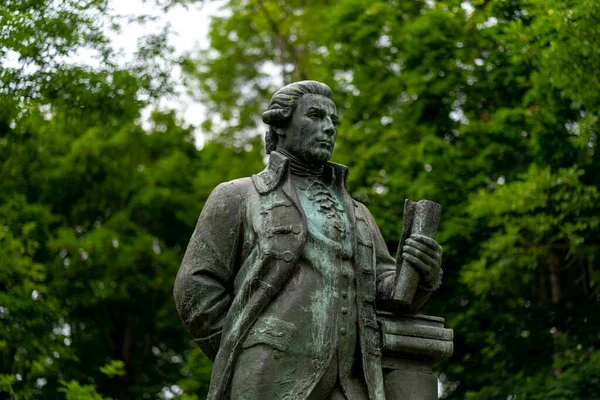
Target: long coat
{"x":246,"y":244}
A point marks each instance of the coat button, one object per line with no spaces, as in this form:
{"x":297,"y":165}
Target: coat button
{"x":288,"y":256}
{"x":344,"y":310}
{"x":343,"y":331}
{"x":316,"y":363}
{"x":344,"y":294}
{"x":296,"y":229}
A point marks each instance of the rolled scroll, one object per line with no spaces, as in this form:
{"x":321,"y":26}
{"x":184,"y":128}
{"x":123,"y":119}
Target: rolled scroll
{"x":422,"y":217}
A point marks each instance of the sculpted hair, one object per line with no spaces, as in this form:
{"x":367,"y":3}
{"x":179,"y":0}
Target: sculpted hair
{"x":284,"y":102}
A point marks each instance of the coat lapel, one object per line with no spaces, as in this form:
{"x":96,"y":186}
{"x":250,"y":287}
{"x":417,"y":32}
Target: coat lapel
{"x":291,"y":194}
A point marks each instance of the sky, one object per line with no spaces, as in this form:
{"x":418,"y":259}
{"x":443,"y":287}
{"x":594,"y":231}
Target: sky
{"x":189,"y":26}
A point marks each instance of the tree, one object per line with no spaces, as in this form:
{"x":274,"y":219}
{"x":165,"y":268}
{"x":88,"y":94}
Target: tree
{"x":94,"y":211}
{"x":488,"y":107}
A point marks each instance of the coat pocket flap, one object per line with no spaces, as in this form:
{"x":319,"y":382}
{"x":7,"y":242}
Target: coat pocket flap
{"x":365,"y":242}
{"x":271,"y":331}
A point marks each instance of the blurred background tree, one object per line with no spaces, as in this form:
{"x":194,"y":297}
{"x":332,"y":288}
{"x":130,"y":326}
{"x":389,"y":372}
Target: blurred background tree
{"x":95,"y":210}
{"x":489,"y":107}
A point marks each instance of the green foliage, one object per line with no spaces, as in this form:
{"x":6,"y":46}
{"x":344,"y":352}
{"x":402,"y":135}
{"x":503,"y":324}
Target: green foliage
{"x":75,"y":391}
{"x":6,"y":382}
{"x":95,"y":210}
{"x":487,"y":107}
{"x":197,"y":365}
{"x":581,"y":383}
{"x":491,"y":111}
{"x":113,"y":368}
{"x":530,"y":219}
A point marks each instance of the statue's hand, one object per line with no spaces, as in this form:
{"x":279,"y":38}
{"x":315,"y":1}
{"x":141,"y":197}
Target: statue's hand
{"x":425,"y":255}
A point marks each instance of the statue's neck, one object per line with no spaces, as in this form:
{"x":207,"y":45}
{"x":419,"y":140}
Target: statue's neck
{"x":300,"y":168}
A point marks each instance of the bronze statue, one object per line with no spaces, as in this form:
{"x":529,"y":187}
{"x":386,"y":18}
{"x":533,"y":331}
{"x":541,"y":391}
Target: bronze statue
{"x":281,"y":278}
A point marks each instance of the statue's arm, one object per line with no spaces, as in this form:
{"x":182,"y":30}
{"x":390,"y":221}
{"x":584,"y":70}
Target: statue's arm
{"x":386,"y":276}
{"x":204,"y":285}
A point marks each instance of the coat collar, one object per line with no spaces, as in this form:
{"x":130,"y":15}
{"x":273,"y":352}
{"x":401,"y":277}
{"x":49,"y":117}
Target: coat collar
{"x":277,"y":167}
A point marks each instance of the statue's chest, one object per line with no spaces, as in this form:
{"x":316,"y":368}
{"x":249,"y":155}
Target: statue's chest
{"x":278,"y":224}
{"x":327,"y":220}
{"x":283,"y":217}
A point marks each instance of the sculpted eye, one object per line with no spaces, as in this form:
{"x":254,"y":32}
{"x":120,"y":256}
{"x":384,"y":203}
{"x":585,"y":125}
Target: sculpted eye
{"x":335,"y":120}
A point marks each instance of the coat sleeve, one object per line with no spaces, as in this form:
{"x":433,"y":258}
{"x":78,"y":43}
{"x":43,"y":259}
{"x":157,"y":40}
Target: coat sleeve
{"x":204,"y":285}
{"x":386,"y":275}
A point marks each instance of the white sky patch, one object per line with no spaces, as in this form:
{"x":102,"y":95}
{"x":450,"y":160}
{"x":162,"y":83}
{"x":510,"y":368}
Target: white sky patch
{"x":468,"y":7}
{"x":458,"y":115}
{"x":190,"y":28}
{"x":491,"y":21}
{"x":156,"y":246}
{"x":386,"y":120}
{"x":384,"y":41}
{"x":64,"y":329}
{"x":40,"y":382}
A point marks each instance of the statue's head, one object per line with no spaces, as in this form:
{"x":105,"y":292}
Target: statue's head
{"x":302,"y":120}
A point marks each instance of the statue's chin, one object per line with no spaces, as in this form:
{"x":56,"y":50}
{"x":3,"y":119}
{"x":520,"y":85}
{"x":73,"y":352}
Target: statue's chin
{"x":318,"y":156}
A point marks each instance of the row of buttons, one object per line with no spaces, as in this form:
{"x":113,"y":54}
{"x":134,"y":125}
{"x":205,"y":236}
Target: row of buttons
{"x":347,"y":274}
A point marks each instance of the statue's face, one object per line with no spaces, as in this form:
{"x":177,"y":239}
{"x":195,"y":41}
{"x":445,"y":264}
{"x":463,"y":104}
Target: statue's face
{"x":311,"y":132}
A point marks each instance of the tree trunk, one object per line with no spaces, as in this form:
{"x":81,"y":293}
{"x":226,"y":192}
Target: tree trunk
{"x":553,"y":269}
{"x":555,"y":290}
{"x":125,"y":357}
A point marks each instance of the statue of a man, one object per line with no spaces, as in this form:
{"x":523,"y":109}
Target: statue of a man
{"x":280,"y":281}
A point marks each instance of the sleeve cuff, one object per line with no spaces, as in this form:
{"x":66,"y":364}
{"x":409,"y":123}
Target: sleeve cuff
{"x":210,"y":345}
{"x":435,"y":286}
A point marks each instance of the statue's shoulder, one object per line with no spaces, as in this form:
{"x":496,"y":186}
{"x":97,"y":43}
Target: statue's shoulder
{"x":233,"y":191}
{"x":358,"y":206}
{"x":361,"y":211}
{"x":268,"y":179}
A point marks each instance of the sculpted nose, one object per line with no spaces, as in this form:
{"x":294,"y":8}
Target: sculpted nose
{"x":329,"y":128}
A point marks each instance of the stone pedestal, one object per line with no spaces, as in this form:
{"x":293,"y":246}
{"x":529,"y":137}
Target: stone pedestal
{"x":412,"y":346}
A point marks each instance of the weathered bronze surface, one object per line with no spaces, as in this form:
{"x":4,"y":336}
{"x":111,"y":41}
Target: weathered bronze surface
{"x":285,"y":273}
